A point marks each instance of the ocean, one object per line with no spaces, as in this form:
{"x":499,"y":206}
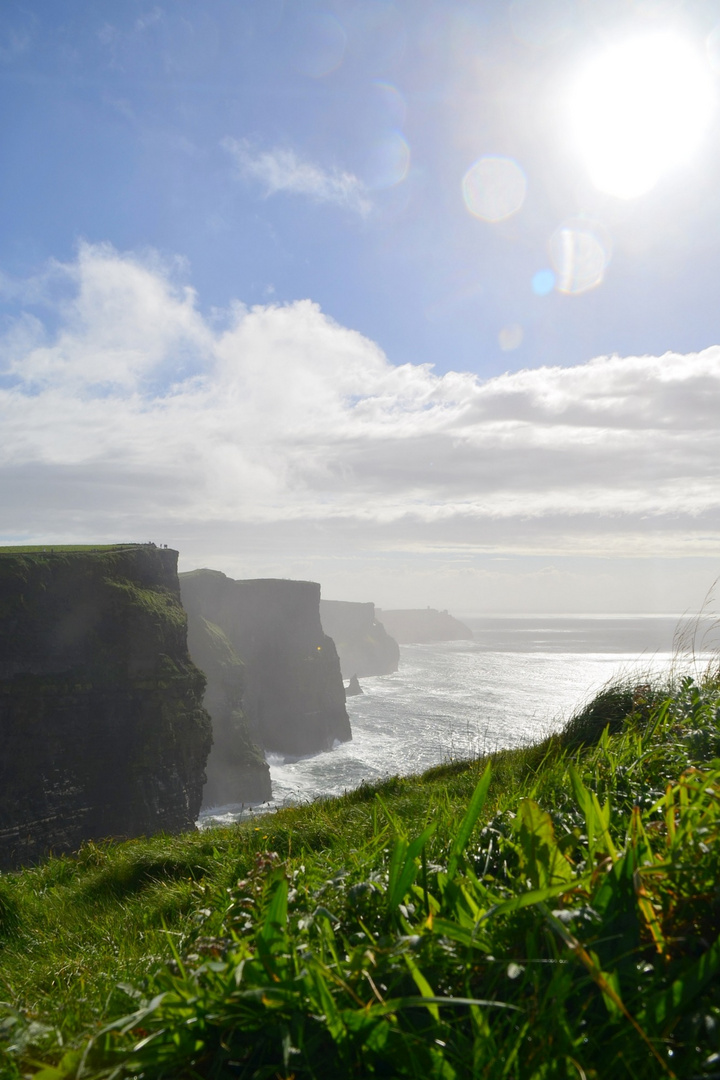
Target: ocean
{"x":518,"y":680}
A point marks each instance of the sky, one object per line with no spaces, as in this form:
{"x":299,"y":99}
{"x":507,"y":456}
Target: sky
{"x":416,"y":299}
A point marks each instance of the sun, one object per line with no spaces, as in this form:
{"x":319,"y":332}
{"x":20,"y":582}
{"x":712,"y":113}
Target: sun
{"x":639,"y":109}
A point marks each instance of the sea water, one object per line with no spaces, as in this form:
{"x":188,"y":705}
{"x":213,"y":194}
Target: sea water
{"x":518,"y":680}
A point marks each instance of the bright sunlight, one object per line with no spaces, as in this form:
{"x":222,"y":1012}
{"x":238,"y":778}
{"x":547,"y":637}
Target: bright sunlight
{"x":638,"y":110}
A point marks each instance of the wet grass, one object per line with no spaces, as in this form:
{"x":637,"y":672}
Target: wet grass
{"x":552,"y":911}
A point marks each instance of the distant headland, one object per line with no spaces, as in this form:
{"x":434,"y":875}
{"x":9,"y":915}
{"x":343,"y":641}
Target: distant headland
{"x":410,"y":626}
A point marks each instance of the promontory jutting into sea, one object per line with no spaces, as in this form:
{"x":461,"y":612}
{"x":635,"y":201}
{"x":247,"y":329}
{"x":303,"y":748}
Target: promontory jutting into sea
{"x":134,"y":700}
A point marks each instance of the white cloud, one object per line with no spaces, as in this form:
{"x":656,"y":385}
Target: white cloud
{"x":281,"y":170}
{"x":124,"y":322}
{"x":133,"y":412}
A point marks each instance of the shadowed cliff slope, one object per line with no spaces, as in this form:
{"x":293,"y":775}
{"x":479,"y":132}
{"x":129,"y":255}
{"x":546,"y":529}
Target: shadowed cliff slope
{"x":363,"y":644}
{"x":102,"y":730}
{"x":237,"y":771}
{"x":422,"y":625}
{"x":294,"y":698}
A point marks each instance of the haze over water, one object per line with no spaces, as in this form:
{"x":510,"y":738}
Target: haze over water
{"x":517,"y":681}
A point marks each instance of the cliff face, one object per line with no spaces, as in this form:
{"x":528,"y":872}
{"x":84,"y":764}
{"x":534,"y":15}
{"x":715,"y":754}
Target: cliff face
{"x":102,"y":730}
{"x":237,"y":771}
{"x":423,"y":625}
{"x":294,"y":697}
{"x":363,"y":644}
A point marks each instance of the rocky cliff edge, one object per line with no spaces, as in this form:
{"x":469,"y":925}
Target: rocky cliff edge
{"x":102,"y":729}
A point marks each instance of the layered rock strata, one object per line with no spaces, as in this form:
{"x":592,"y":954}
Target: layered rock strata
{"x":362,"y":642}
{"x":102,"y":729}
{"x":294,"y":698}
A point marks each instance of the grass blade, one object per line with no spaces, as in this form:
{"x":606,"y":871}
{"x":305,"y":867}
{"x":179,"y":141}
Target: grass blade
{"x":662,"y":1010}
{"x":477,"y":802}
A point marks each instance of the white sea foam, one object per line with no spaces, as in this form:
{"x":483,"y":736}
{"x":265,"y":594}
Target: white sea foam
{"x":461,"y":699}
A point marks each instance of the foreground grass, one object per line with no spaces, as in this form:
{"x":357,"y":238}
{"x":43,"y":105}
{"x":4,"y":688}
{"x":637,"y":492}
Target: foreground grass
{"x":548,"y":912}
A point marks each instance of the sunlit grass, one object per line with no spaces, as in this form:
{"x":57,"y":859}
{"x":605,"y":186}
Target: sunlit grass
{"x":551,"y":911}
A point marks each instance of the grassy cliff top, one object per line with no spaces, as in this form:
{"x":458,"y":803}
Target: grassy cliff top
{"x":548,"y":912}
{"x":45,"y":549}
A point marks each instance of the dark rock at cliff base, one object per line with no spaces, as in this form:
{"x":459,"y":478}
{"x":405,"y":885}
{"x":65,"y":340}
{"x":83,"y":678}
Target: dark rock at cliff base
{"x":353,"y":688}
{"x":362,"y":642}
{"x":294,"y":697}
{"x":423,"y":625}
{"x":102,"y":729}
{"x":237,"y":771}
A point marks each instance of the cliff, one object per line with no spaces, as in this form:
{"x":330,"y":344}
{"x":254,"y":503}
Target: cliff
{"x":423,"y":625}
{"x":237,"y":771}
{"x":294,"y":698}
{"x":102,"y":730}
{"x":363,"y":644}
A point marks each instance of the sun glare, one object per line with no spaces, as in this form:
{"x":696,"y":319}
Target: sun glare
{"x":639,"y":109}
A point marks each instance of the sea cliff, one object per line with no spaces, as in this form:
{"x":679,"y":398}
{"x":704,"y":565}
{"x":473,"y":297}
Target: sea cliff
{"x":237,"y":771}
{"x":102,"y":730}
{"x":363,"y":644}
{"x":294,"y":699}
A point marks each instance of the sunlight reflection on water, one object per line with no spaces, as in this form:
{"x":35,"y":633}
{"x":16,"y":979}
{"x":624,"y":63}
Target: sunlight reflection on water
{"x":448,"y":701}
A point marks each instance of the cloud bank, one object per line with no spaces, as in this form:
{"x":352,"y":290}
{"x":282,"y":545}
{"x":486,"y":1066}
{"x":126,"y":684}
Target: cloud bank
{"x":123,"y":406}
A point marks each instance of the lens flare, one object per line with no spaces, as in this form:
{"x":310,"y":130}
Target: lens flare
{"x":391,"y":102}
{"x":638,"y":110}
{"x":319,"y":45}
{"x":543,"y":282}
{"x":494,"y":188}
{"x":510,"y":337}
{"x":389,"y":161}
{"x":580,"y":252}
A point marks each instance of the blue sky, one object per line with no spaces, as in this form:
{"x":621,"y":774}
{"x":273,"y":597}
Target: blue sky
{"x":255,"y":301}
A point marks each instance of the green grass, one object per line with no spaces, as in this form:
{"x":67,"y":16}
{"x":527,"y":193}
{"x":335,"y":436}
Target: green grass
{"x":44,"y":549}
{"x":547,"y":912}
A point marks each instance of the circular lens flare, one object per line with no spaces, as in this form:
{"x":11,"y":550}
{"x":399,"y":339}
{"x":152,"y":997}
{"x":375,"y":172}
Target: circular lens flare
{"x":543,"y":282}
{"x":511,"y":337}
{"x":388,"y":161}
{"x":580,"y":254}
{"x":319,"y":45}
{"x":639,"y":109}
{"x":494,"y":188}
